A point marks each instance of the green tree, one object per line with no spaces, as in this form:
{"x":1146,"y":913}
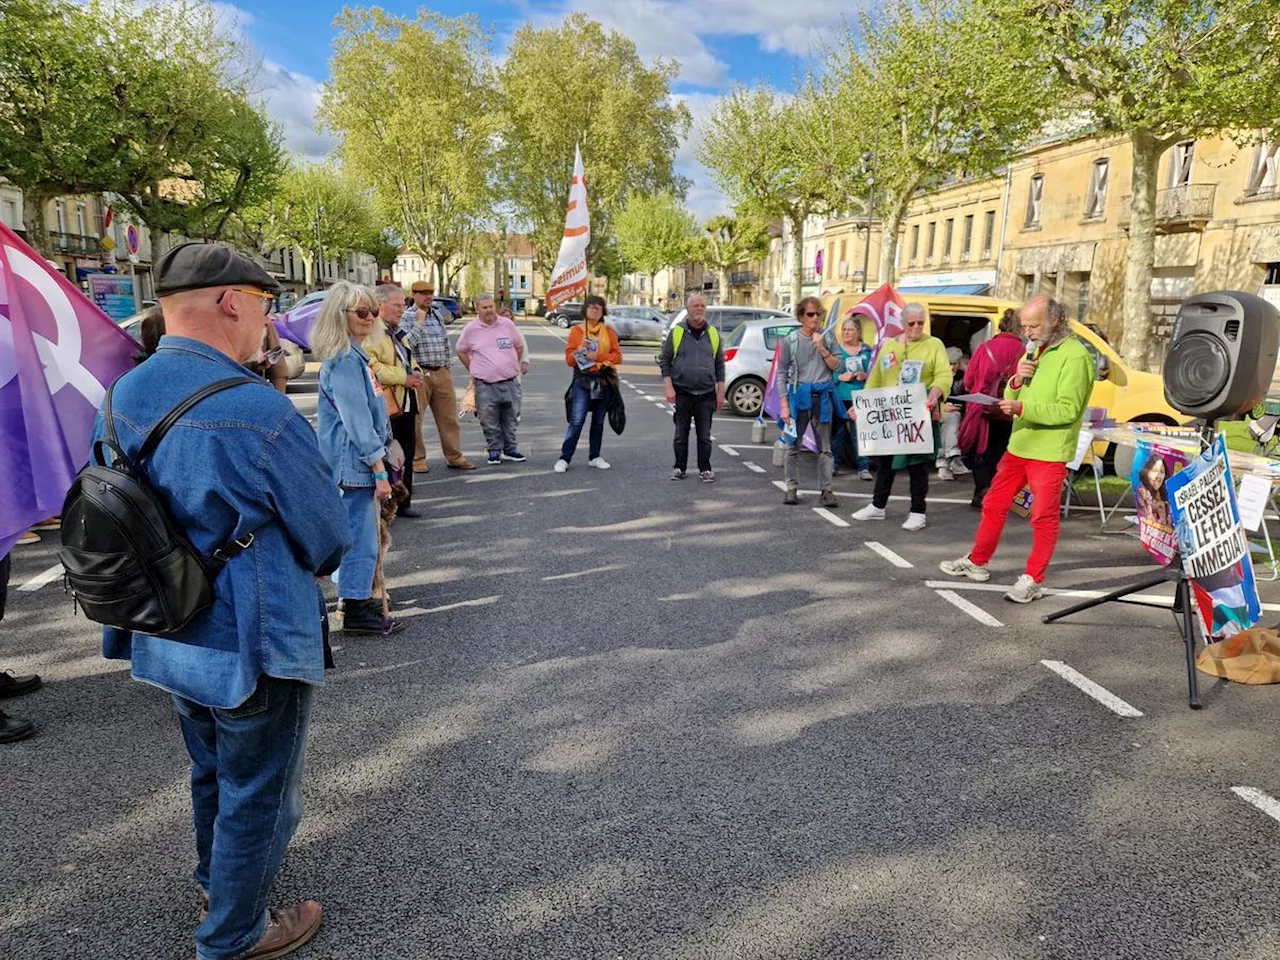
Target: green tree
{"x":765,"y":152}
{"x":1159,"y":72}
{"x":321,"y":212}
{"x":727,"y":241}
{"x":924,"y":92}
{"x":412,"y":106}
{"x":654,"y":232}
{"x":577,"y":83}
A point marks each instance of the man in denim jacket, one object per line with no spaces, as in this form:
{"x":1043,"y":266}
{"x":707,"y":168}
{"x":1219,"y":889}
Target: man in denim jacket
{"x":243,"y":673}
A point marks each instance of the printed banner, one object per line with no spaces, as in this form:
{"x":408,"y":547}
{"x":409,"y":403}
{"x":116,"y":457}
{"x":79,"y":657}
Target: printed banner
{"x":893,"y":420}
{"x":569,"y":278}
{"x":1153,"y":464}
{"x":113,"y":293}
{"x":1214,"y":548}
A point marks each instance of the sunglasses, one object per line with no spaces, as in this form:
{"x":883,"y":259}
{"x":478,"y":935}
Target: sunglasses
{"x":273,"y":356}
{"x":811,"y":313}
{"x":364,"y":313}
{"x":918,"y":323}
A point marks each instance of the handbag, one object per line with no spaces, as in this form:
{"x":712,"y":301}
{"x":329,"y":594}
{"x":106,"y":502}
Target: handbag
{"x":393,"y":405}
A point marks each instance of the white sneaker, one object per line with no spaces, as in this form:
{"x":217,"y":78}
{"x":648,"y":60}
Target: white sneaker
{"x":600,"y":463}
{"x":914,"y":521}
{"x":561,"y":466}
{"x":1024,"y":590}
{"x":944,"y":473}
{"x":964,"y":567}
{"x":869,"y":512}
{"x":865,"y":475}
{"x":958,"y":467}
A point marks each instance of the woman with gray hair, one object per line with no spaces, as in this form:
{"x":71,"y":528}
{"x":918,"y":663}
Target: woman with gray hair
{"x":354,"y":431}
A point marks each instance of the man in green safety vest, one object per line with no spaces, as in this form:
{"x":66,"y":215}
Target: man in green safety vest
{"x":692,"y":364}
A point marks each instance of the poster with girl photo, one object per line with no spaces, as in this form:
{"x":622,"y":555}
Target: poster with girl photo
{"x":1153,"y":464}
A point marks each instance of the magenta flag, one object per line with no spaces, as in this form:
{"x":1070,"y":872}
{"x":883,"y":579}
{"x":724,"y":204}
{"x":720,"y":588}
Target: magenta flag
{"x":58,"y":355}
{"x":296,"y":324}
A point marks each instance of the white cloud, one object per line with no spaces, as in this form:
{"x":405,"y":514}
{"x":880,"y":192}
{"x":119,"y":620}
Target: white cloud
{"x":292,"y":100}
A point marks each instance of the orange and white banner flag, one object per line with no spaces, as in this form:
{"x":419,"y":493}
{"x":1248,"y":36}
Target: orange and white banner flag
{"x":569,"y":278}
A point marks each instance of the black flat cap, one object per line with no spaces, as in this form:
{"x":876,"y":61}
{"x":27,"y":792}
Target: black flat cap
{"x":193,"y":266}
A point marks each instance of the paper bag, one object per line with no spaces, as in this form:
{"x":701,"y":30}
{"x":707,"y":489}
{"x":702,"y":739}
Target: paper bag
{"x":1251,"y":656}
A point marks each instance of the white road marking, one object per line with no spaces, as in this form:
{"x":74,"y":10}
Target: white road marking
{"x":830,"y":517}
{"x":42,"y":578}
{"x":1099,"y":693}
{"x":418,"y":611}
{"x":1264,"y":802}
{"x":627,"y":382}
{"x":960,"y":603}
{"x":660,"y":405}
{"x":889,"y":555}
{"x":754,"y":466}
{"x":863,"y":496}
{"x":587,"y":573}
{"x":1137,"y":599}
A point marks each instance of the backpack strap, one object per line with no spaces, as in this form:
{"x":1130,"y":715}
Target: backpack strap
{"x":160,"y":429}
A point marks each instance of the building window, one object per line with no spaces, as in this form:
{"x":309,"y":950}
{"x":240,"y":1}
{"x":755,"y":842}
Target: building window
{"x":1035,"y":196}
{"x":9,"y":214}
{"x":60,"y":210}
{"x":915,"y":241}
{"x":81,"y":220}
{"x":1180,"y":163}
{"x":1095,"y":204}
{"x":524,"y":281}
{"x":1266,"y":164}
{"x":988,"y":233}
{"x":931,"y":237}
{"x":844,"y":250}
{"x":947,"y":236}
{"x":1082,"y":298}
{"x":966,"y":242}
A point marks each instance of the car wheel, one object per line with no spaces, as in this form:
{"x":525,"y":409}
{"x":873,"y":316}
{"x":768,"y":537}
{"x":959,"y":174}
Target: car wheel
{"x":746,"y":397}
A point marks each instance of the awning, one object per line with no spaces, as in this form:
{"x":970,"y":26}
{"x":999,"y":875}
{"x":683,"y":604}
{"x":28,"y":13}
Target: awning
{"x":964,"y":289}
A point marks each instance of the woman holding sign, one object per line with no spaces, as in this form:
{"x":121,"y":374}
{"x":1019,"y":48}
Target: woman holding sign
{"x":915,"y":357}
{"x":1046,"y":398}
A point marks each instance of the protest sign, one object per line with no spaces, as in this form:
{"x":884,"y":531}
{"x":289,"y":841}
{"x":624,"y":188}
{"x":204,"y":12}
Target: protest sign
{"x":1153,"y":464}
{"x":1212,"y":542}
{"x":893,"y":420}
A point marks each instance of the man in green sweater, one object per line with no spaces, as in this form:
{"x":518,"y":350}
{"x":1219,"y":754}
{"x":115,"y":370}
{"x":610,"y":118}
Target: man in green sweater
{"x":1046,"y":397}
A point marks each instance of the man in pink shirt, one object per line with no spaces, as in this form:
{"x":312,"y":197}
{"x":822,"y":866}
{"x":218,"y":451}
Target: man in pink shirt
{"x":492,"y":349}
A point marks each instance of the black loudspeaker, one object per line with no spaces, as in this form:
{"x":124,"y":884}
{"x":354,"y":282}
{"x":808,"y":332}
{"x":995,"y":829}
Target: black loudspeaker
{"x":1222,"y":354}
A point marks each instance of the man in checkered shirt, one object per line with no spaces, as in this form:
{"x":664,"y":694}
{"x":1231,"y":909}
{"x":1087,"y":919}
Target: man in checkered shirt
{"x":424,"y":325}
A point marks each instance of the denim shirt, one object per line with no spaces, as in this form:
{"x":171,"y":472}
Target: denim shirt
{"x":241,"y":461}
{"x":351,"y":418}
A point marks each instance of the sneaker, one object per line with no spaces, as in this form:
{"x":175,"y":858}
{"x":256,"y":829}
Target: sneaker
{"x":676,"y":474}
{"x":869,"y":512}
{"x":1024,"y":590}
{"x":514,"y":456}
{"x":958,"y":467}
{"x":28,"y":538}
{"x":54,"y":523}
{"x":829,"y":500}
{"x":964,"y":567}
{"x":600,"y":463}
{"x":287,"y":930}
{"x":914,"y":521}
{"x":944,"y":473}
{"x":11,"y":730}
{"x":11,"y":686}
{"x":708,"y":476}
{"x":865,"y":475}
{"x":561,"y":465}
{"x":494,"y":460}
{"x":791,"y":498}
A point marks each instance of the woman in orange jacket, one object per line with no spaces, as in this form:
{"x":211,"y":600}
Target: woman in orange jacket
{"x":593,"y":354}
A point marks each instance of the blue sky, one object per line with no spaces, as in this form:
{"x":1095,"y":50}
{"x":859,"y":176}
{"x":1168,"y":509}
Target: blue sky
{"x":717,"y":43}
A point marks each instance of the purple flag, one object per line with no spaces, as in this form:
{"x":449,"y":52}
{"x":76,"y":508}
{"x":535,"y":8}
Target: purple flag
{"x":58,"y":354}
{"x":296,"y":324}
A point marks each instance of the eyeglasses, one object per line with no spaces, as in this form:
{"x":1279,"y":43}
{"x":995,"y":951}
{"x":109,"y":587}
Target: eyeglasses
{"x":916,"y":323}
{"x":273,"y":356}
{"x":265,"y":299}
{"x":364,"y":313}
{"x":812,"y":313}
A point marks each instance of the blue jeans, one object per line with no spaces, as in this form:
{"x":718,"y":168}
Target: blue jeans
{"x":246,"y":774}
{"x":355,"y":576}
{"x":580,"y":402}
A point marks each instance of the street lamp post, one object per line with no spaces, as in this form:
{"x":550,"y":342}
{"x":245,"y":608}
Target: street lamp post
{"x":870,"y":163}
{"x":319,"y":249}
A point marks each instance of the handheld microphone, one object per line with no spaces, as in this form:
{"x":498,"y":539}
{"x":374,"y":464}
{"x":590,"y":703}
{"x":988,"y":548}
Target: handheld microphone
{"x":1032,"y":346}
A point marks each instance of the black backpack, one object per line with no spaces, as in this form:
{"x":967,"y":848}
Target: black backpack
{"x":126,"y":560}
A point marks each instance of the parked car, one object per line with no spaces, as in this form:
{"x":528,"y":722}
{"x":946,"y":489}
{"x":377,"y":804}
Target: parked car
{"x":637,"y":323}
{"x":748,"y":354}
{"x":452,"y":305}
{"x":565,"y":315}
{"x":293,"y":353}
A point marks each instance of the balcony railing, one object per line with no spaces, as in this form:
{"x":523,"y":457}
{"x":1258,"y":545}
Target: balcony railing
{"x":810,"y":276}
{"x":74,"y":243}
{"x":1188,"y":207}
{"x":743,"y":277}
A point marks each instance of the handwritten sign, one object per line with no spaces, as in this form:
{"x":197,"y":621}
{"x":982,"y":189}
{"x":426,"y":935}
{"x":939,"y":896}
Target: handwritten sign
{"x":893,"y":420}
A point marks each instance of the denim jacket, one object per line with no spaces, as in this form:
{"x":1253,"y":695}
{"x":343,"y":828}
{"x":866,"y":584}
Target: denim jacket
{"x":241,"y":461}
{"x":352,"y":418}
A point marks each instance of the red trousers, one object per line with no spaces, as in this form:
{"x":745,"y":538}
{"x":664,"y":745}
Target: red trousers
{"x":1012,"y":475}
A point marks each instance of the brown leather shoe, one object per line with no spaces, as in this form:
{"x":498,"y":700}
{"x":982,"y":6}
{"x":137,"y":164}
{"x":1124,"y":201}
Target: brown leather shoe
{"x":421,"y":468}
{"x":463,"y":464}
{"x":288,"y":929}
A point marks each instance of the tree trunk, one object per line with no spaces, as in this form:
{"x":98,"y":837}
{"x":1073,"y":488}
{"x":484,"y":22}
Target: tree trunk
{"x":889,"y":224}
{"x":653,"y":287}
{"x":797,"y":259}
{"x":726,"y":294}
{"x":308,"y":267}
{"x":33,"y":204}
{"x":1138,"y":321}
{"x":442,"y":285}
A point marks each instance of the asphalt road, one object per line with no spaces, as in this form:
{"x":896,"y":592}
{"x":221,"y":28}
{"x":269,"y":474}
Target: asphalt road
{"x":631,"y":718}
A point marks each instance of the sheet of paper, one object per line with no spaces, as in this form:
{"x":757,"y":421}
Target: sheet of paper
{"x":1082,"y":447}
{"x":981,"y":399}
{"x":1252,"y":499}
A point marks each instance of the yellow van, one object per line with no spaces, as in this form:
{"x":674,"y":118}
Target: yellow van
{"x":965,"y":322}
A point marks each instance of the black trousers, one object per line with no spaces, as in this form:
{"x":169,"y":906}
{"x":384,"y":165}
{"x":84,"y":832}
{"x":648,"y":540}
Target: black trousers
{"x":985,"y":463}
{"x":698,"y":408}
{"x":402,"y":430}
{"x":918,"y":474}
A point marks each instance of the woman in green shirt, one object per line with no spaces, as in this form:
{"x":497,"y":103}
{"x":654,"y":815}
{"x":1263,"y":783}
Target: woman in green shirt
{"x":914,"y":357}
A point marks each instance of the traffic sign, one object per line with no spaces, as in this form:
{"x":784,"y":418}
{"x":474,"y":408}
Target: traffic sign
{"x":131,"y":240}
